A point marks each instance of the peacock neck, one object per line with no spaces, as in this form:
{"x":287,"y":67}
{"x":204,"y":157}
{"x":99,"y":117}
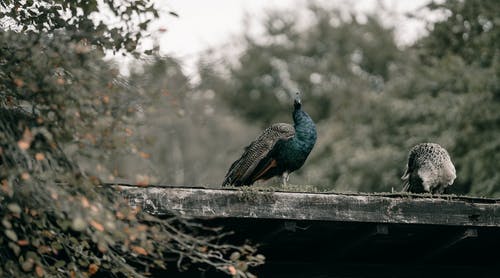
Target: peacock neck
{"x":305,"y":130}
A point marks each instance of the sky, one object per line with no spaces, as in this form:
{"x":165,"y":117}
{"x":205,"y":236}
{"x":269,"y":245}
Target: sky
{"x":212,"y":24}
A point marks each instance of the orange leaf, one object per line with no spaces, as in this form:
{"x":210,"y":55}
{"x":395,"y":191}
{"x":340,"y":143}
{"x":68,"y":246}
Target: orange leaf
{"x":129,"y":131}
{"x":39,"y":271}
{"x":5,"y":185}
{"x":120,"y":215}
{"x":25,"y":176}
{"x":232,"y":270}
{"x":54,"y":195}
{"x":144,"y":155}
{"x":25,"y":141}
{"x":139,"y":250}
{"x":19,"y":82}
{"x":33,"y":212}
{"x":39,"y":156}
{"x":102,"y":247}
{"x":93,"y":269}
{"x":94,"y":208}
{"x":105,"y":99}
{"x":142,"y":228}
{"x":22,"y":242}
{"x":97,"y":225}
{"x":23,"y":145}
{"x":85,"y":202}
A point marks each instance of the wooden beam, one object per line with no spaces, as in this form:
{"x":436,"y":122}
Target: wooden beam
{"x":389,"y":208}
{"x":353,"y":246}
{"x":454,"y":240}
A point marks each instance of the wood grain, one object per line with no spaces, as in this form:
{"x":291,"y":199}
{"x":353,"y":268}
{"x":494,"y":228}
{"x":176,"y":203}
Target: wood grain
{"x":375,"y":208}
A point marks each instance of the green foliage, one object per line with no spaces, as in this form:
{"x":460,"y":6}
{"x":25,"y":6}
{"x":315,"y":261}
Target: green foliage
{"x":470,"y":32}
{"x":79,"y":19}
{"x":372,"y":100}
{"x":61,"y":104}
{"x":333,"y":56}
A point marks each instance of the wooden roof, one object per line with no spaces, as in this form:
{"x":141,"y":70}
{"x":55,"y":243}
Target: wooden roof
{"x":344,"y":235}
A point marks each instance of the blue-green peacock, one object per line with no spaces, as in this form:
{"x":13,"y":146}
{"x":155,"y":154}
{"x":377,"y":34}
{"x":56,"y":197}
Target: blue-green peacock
{"x":279,"y":150}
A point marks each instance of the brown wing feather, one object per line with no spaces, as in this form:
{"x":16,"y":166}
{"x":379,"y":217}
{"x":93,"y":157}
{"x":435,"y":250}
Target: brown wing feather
{"x":243,"y":168}
{"x":258,"y":173}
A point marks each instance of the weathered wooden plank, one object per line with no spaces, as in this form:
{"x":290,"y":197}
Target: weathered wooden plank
{"x":202,"y":202}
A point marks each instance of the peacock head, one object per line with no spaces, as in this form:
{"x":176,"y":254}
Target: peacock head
{"x":297,"y":103}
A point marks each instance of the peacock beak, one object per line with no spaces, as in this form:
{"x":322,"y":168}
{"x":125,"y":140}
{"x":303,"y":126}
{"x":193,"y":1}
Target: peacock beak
{"x":297,"y":103}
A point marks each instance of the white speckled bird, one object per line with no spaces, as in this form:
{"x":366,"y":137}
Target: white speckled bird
{"x":429,"y":169}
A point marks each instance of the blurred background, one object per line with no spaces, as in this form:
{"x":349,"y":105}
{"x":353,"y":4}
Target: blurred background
{"x":377,"y":77}
{"x":170,"y":92}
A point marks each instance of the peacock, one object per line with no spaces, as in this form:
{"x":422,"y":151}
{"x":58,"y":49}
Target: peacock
{"x":429,"y":169}
{"x":279,"y":150}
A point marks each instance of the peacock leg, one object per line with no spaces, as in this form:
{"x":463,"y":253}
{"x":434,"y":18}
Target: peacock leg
{"x":286,"y":175}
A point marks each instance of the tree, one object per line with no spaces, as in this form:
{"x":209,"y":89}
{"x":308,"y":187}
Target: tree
{"x":372,"y":100}
{"x":462,"y":56}
{"x":59,"y":101}
{"x":339,"y":64}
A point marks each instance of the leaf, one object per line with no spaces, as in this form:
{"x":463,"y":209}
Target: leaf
{"x":25,"y":176}
{"x":44,"y":249}
{"x":26,"y":140}
{"x":27,"y":265}
{"x":98,"y":226}
{"x":19,"y":82}
{"x":160,"y":264}
{"x":15,"y":208}
{"x":11,"y":234}
{"x":60,"y":264}
{"x":85,"y":202}
{"x":144,"y":155}
{"x":93,"y":268}
{"x":129,"y":131}
{"x":235,"y":256}
{"x":56,"y":246}
{"x":23,"y":145}
{"x":78,"y":224}
{"x":23,"y":242}
{"x":39,"y":271}
{"x":231,"y":270}
{"x":39,"y":156}
{"x":15,"y":248}
{"x":32,"y":255}
{"x":139,"y":250}
{"x":6,"y":223}
{"x":102,"y":246}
